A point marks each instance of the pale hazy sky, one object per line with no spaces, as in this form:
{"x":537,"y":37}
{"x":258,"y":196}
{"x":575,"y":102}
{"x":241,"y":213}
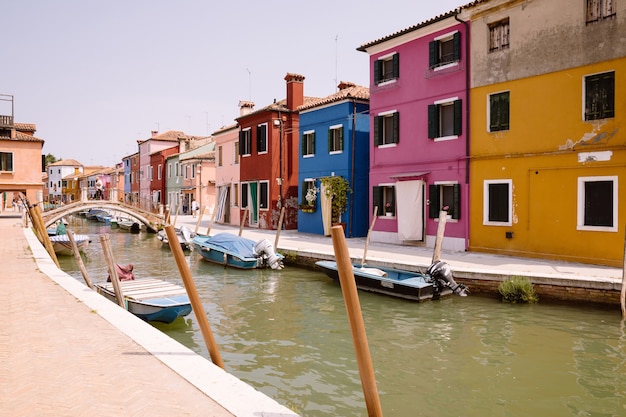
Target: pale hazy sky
{"x":96,"y":76}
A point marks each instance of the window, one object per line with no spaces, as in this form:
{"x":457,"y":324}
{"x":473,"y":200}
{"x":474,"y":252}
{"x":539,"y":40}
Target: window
{"x":445,"y":50}
{"x":236,"y":147}
{"x":264,"y":195}
{"x":499,"y":35}
{"x":6,"y":161}
{"x":219,"y":156}
{"x":445,"y":195}
{"x":244,"y":195}
{"x":384,"y":197}
{"x":177,"y":169}
{"x":600,"y":96}
{"x":261,"y":138}
{"x":600,"y":9}
{"x":308,"y":143}
{"x":597,"y":203}
{"x":169,"y":170}
{"x":308,"y":184}
{"x":387,"y":68}
{"x":235,"y":194}
{"x":335,"y":139}
{"x":193,"y":170}
{"x":245,"y":142}
{"x":159,"y":171}
{"x":150,"y":172}
{"x":497,"y":202}
{"x":387,"y":128}
{"x":499,"y":111}
{"x":444,"y":119}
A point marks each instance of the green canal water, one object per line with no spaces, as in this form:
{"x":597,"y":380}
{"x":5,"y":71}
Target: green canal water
{"x":286,"y":334}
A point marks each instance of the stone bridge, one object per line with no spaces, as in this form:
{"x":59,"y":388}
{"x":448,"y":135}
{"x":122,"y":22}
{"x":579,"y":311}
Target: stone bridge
{"x":152,"y":220}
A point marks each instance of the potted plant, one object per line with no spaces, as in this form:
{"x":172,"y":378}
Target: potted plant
{"x":311,"y":198}
{"x":337,"y":189}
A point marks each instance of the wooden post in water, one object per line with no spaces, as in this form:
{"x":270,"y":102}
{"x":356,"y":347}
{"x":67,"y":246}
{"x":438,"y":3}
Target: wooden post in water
{"x":208,"y":230}
{"x":200,"y":215}
{"x":108,"y":256}
{"x":280,"y":226}
{"x":243,"y":221}
{"x":180,"y":203}
{"x":79,"y":260}
{"x":441,"y":228}
{"x":355,"y":317}
{"x":623,"y":293}
{"x":367,"y":240}
{"x":196,"y":303}
{"x":43,"y":233}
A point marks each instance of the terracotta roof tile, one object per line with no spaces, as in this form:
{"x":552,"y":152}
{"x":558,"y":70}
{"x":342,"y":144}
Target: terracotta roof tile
{"x":347,"y":91}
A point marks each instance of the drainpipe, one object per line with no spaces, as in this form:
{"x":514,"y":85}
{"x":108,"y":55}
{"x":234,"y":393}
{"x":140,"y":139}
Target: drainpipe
{"x":467,"y":118}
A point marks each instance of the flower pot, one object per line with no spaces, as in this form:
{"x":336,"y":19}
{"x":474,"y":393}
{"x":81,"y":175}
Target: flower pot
{"x":388,"y":214}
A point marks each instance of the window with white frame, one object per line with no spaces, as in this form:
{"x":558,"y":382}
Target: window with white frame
{"x":245,"y":142}
{"x":600,"y":96}
{"x":308,"y":143}
{"x":598,"y":10}
{"x":384,"y":197}
{"x":387,"y":128}
{"x":6,"y":161}
{"x":444,"y":50}
{"x":498,"y":111}
{"x":150,"y":173}
{"x":169,"y":170}
{"x":307,"y":185}
{"x":264,"y":195}
{"x":244,"y":195}
{"x":335,"y":139}
{"x":597,"y":203}
{"x":445,"y":119}
{"x":444,"y":196}
{"x":499,"y":35}
{"x":193,"y":170}
{"x":261,"y":138}
{"x":159,"y":171}
{"x":498,"y":202}
{"x":387,"y":68}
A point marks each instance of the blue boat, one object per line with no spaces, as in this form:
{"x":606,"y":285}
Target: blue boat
{"x":150,"y":299}
{"x":436,"y":283}
{"x":238,"y":252}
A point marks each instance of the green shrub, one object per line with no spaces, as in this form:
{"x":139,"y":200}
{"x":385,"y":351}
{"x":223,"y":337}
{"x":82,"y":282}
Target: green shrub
{"x":518,"y":290}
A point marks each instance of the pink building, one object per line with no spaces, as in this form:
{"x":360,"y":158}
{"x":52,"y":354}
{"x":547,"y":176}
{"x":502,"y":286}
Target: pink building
{"x":227,"y":174}
{"x":419,"y":132}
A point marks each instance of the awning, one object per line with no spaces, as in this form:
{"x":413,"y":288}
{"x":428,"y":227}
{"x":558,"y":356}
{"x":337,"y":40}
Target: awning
{"x":409,"y":175}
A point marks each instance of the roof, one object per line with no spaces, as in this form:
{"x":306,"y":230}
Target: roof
{"x":279,"y":106}
{"x":25,"y":127}
{"x":22,"y":137}
{"x":66,"y":162}
{"x":170,"y":135}
{"x":347,"y":91}
{"x":364,"y":47}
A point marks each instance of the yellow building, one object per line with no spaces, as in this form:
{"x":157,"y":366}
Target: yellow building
{"x":547,"y":133}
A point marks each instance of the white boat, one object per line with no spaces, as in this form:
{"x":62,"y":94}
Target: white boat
{"x":62,"y":246}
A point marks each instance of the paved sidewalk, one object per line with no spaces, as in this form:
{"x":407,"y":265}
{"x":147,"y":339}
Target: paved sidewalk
{"x":67,"y":351}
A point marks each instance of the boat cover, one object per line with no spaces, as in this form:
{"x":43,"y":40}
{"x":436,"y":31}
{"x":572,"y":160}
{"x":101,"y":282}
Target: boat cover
{"x":124,"y":272}
{"x":232,"y":244}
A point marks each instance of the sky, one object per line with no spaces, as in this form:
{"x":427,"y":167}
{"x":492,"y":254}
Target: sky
{"x":97,"y":76}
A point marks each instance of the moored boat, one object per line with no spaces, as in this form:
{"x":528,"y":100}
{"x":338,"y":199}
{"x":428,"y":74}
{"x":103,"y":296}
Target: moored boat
{"x":62,"y":246}
{"x":184,"y":235}
{"x":238,"y":252}
{"x":436,"y":283}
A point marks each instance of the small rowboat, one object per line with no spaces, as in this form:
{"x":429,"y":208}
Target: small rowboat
{"x":62,"y":246}
{"x":150,"y":299}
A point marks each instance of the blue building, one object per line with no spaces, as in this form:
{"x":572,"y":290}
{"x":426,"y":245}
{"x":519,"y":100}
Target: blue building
{"x":334,"y":141}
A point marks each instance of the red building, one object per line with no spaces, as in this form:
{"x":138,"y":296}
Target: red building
{"x":268,"y":149}
{"x":156,"y":174}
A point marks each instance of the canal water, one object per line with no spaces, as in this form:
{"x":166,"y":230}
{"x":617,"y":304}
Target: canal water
{"x":286,"y":334}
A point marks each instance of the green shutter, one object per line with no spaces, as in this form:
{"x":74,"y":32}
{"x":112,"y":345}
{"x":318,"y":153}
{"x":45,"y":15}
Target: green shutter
{"x":505,"y":106}
{"x":456,"y":45}
{"x":458,"y":117}
{"x":377,"y":199}
{"x":303,"y":145}
{"x":340,"y":146}
{"x":433,"y":121}
{"x":303,"y":192}
{"x":396,"y":127}
{"x":241,"y":143}
{"x":456,"y":202}
{"x":312,"y":150}
{"x":396,"y":65}
{"x":377,"y":70}
{"x":433,"y":198}
{"x":377,"y":130}
{"x":432,"y":54}
{"x":330,"y":140}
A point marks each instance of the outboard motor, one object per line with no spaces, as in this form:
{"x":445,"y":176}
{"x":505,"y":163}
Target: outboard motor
{"x":266,"y":249}
{"x":441,"y":274}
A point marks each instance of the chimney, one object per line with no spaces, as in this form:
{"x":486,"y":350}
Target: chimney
{"x":295,"y":90}
{"x":155,"y":133}
{"x":245,"y":107}
{"x":345,"y":84}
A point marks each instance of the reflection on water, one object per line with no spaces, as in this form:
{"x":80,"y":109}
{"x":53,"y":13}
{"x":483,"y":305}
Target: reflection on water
{"x":286,"y":333}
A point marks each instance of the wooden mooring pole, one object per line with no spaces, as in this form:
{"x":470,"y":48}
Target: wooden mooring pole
{"x":196,"y":303}
{"x":40,"y":228}
{"x":355,"y":317}
{"x":115,"y":280}
{"x":280,"y":226}
{"x":441,"y":229}
{"x":79,"y":260}
{"x":367,"y":240}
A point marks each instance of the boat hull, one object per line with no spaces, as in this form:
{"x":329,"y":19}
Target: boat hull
{"x":397,"y":283}
{"x":150,"y":299}
{"x":228,"y":250}
{"x":62,"y":246}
